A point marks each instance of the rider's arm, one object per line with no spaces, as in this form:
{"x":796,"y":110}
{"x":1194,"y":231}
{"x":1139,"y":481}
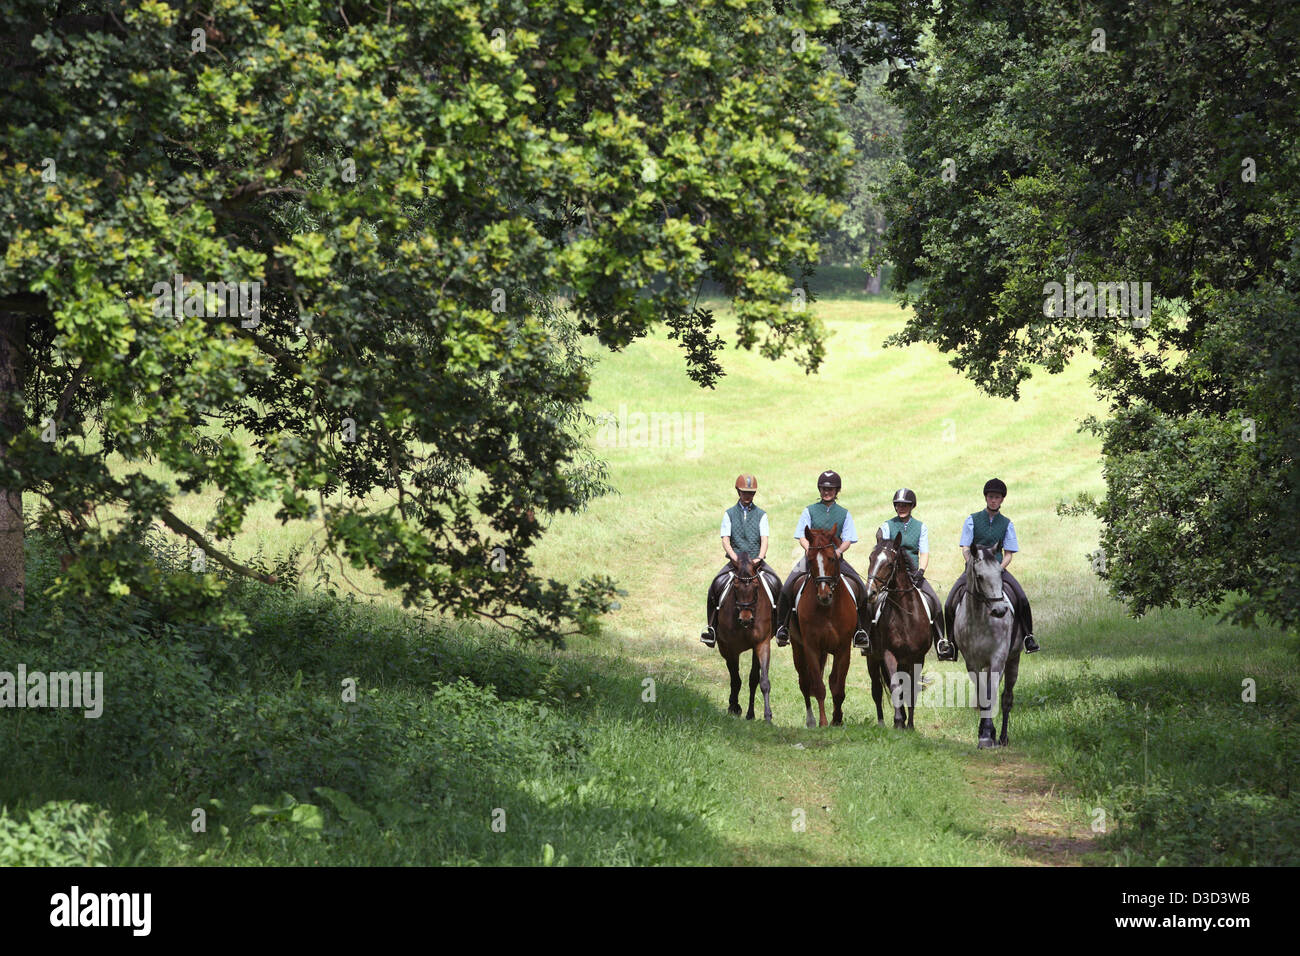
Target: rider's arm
{"x":804,"y":520}
{"x":1009,"y":544}
{"x":726,"y":546}
{"x":923,"y":549}
{"x":967,"y":537}
{"x":848,"y":534}
{"x":726,"y":536}
{"x":762,"y":537}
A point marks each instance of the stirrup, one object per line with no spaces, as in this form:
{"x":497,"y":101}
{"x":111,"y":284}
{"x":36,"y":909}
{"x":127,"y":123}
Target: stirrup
{"x":783,"y":635}
{"x":861,"y":639}
{"x":1031,"y":645}
{"x":709,"y":638}
{"x":944,"y":650}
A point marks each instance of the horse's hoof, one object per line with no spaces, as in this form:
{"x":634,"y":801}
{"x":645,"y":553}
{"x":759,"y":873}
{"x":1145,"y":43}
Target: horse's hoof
{"x":986,"y":742}
{"x":1002,"y":742}
{"x":880,"y":723}
{"x":811,"y":723}
{"x":733,"y":711}
{"x":750,"y":715}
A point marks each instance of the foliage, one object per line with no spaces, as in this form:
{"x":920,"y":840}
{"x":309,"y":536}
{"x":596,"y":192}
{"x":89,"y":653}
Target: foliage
{"x":410,"y":185}
{"x":1113,"y":142}
{"x":59,"y":833}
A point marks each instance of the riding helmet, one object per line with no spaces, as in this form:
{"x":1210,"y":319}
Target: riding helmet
{"x":996,"y":487}
{"x":905,"y":496}
{"x":746,"y":483}
{"x":828,"y":479}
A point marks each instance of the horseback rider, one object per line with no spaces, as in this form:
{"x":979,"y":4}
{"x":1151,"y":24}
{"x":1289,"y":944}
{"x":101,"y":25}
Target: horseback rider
{"x":744,"y":528}
{"x":916,"y":545}
{"x":990,"y":529}
{"x":825,"y":514}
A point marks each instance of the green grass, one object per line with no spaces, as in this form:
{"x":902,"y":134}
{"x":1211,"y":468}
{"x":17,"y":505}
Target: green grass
{"x":1141,"y":720}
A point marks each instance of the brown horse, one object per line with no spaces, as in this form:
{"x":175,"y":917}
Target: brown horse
{"x":901,"y":635}
{"x":745,"y":623}
{"x":824,"y":621}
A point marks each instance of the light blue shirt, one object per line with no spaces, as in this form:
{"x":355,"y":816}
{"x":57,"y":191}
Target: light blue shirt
{"x":922,"y":546}
{"x":726,"y":523}
{"x":1009,"y":542}
{"x":847,"y":533}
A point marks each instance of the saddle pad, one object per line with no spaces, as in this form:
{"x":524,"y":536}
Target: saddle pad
{"x":763,"y":579}
{"x":727,"y":587}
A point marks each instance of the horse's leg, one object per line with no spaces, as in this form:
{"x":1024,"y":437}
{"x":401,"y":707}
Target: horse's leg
{"x":839,"y":677}
{"x":894,"y":679}
{"x":764,"y":651}
{"x":815,"y":663}
{"x":733,"y":665}
{"x":984,"y":694}
{"x":877,"y":688}
{"x":802,"y":667}
{"x":753,"y":684}
{"x":1008,"y":685}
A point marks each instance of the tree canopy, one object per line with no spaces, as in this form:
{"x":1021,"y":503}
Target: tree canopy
{"x":370,"y":235}
{"x":1053,"y":145}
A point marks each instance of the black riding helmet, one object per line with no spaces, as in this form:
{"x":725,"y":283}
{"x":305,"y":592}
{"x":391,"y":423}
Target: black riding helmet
{"x":828,"y":479}
{"x":905,"y":496}
{"x":995,"y":486}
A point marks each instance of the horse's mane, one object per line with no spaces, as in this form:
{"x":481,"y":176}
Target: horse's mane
{"x":745,"y":566}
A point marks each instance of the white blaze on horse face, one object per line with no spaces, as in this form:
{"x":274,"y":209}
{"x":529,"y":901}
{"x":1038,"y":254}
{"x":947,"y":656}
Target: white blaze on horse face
{"x":880,"y":560}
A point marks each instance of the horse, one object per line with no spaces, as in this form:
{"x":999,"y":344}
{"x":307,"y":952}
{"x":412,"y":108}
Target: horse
{"x":746,"y":620}
{"x":900,"y":637}
{"x":985,"y":631}
{"x":825,"y":618}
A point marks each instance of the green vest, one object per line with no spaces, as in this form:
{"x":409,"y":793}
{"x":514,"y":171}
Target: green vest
{"x":911,"y":535}
{"x":823,"y":518}
{"x":744,"y":529}
{"x":989,"y":534}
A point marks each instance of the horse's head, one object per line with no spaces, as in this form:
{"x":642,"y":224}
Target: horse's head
{"x":984,"y":579}
{"x":745,"y":587}
{"x":824,"y":563}
{"x":883,"y":564}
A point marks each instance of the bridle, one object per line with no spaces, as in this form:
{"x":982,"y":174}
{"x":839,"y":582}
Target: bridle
{"x":746,"y":605}
{"x":833,"y":580}
{"x":972,"y":588}
{"x":893,"y":574}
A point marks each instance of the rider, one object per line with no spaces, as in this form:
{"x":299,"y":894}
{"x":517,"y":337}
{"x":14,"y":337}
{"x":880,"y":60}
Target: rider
{"x":991,"y":529}
{"x":825,"y":514}
{"x":916,"y":545}
{"x":744,"y":528}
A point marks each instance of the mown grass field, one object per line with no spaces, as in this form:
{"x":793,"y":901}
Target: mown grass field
{"x":1130,"y":741}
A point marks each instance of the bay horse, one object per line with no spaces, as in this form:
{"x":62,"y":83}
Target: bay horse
{"x":825,"y":618}
{"x":745,"y":623}
{"x":900,"y":636}
{"x":984,"y":630}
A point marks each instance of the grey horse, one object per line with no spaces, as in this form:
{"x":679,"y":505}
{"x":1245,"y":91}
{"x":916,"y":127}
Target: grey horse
{"x":984,"y":630}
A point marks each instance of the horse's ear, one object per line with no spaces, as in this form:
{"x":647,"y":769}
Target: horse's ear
{"x":879,"y":537}
{"x":898,"y":540}
{"x":834,"y":530}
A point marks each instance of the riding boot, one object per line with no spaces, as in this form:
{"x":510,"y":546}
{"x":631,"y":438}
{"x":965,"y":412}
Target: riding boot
{"x":1031,"y":645}
{"x":784,"y":606}
{"x":943,"y":647}
{"x":862,"y":636}
{"x":709,"y":637}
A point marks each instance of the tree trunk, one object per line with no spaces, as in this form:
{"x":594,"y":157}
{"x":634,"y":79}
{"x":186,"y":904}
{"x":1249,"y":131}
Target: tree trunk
{"x":13,"y":363}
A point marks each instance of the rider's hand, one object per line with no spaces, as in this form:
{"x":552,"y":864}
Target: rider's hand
{"x":918,"y":575}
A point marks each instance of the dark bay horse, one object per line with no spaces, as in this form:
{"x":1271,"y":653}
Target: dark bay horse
{"x":986,"y":632}
{"x":901,"y":635}
{"x":745,"y":623}
{"x":825,"y":618}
